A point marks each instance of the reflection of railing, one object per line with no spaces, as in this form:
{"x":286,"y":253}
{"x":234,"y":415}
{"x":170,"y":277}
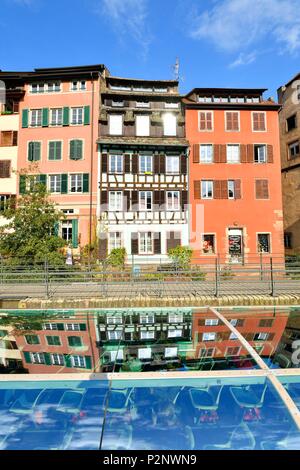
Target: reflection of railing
{"x":265,"y":275}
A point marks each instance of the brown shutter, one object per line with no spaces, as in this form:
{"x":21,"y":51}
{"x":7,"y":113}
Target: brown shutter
{"x":250,"y":153}
{"x":134,"y":200}
{"x":103,"y":243}
{"x":15,"y":138}
{"x":216,"y":156}
{"x":217,"y":189}
{"x":157,"y":243}
{"x":184,"y":199}
{"x":237,"y":189}
{"x":6,"y":138}
{"x":262,"y":189}
{"x":104,"y":197}
{"x":271,"y":336}
{"x":156,"y":164}
{"x":248,"y":336}
{"x":134,"y":244}
{"x":229,"y":122}
{"x":223,"y":153}
{"x":135,"y":164}
{"x":235,"y":121}
{"x":256,"y":121}
{"x":202,"y":118}
{"x":126,"y":200}
{"x":157,"y":198}
{"x":162,"y":164}
{"x":261,"y":121}
{"x":209,"y":123}
{"x":183,"y":164}
{"x":104,"y":162}
{"x":127,"y":163}
{"x":270,"y":158}
{"x":5,"y":169}
{"x":173,"y":240}
{"x":224,"y":189}
{"x":243,"y":153}
{"x":197,"y":189}
{"x":196,"y":153}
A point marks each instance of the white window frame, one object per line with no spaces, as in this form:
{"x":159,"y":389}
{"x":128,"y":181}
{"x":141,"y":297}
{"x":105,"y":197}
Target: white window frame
{"x":211,"y":322}
{"x":207,"y":159}
{"x":142,"y":125}
{"x":226,"y":121}
{"x":146,"y":161}
{"x":54,"y":188}
{"x":77,"y":113}
{"x":72,"y":326}
{"x":175,"y":203}
{"x":39,"y":356}
{"x":148,"y":250}
{"x":57,"y":359}
{"x":232,"y":188}
{"x":114,"y":241}
{"x":147,"y":334}
{"x":176,"y":333}
{"x":262,"y":336}
{"x":115,"y":335}
{"x":175,"y":318}
{"x":142,"y":104}
{"x":116,"y":204}
{"x":116,"y":355}
{"x":38,"y":113}
{"x":172,"y":164}
{"x":292,"y":145}
{"x":117,"y":161}
{"x":149,"y":318}
{"x":68,"y":226}
{"x":209,"y":336}
{"x":259,"y":162}
{"x":229,"y":160}
{"x":115,"y":124}
{"x":58,"y":114}
{"x":52,"y":327}
{"x":54,"y":85}
{"x":170,"y":125}
{"x":238,"y":353}
{"x":78,"y":361}
{"x":40,"y":88}
{"x":233,"y":337}
{"x":205,"y":183}
{"x":76,"y":181}
{"x":252,"y":120}
{"x":205,"y":350}
{"x":171,"y":352}
{"x":212,"y":121}
{"x":146,"y":198}
{"x":144,"y":353}
{"x":114,"y":320}
{"x":270,"y":241}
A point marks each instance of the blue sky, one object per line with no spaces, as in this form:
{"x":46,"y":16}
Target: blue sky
{"x":220,"y":43}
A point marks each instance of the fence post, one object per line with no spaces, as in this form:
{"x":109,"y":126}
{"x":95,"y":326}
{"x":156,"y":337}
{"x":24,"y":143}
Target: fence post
{"x":261,"y":266}
{"x":1,"y":270}
{"x":46,"y":269}
{"x":272,"y":278}
{"x":217,"y":277}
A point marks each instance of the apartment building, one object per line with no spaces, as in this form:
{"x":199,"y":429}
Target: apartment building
{"x":289,"y":119}
{"x":143,"y":166}
{"x":57,"y":143}
{"x":234,"y":178}
{"x":12,"y":93}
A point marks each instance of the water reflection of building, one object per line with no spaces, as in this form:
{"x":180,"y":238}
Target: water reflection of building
{"x":288,"y":345}
{"x":10,"y":356}
{"x":144,"y":340}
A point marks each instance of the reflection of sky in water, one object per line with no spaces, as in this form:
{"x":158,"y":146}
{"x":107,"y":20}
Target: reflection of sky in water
{"x":197,"y":415}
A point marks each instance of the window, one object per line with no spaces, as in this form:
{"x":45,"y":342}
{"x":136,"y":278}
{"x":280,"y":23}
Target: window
{"x":75,"y":341}
{"x":56,"y":117}
{"x":144,"y":353}
{"x":5,"y":168}
{"x":262,"y":189}
{"x":175,"y":333}
{"x":57,"y":359}
{"x":78,"y":85}
{"x":37,"y":358}
{"x":37,"y":88}
{"x":172,"y":164}
{"x":206,"y":189}
{"x":261,"y":337}
{"x":76,"y":149}
{"x":36,"y":118}
{"x":232,"y":121}
{"x":6,"y":201}
{"x":259,"y":122}
{"x":205,"y":99}
{"x":263,"y":243}
{"x":115,"y":201}
{"x":32,"y":339}
{"x":116,"y":163}
{"x":266,"y":323}
{"x":73,"y":327}
{"x":55,"y":150}
{"x":50,"y":326}
{"x":142,"y":126}
{"x":233,"y":337}
{"x":67,"y":231}
{"x":206,"y":153}
{"x":77,"y":116}
{"x":171,"y":105}
{"x":116,"y":124}
{"x":288,"y":240}
{"x":209,"y":352}
{"x":233,"y":351}
{"x":146,"y":243}
{"x":170,"y":124}
{"x":209,"y":336}
{"x":34,"y":151}
{"x":173,"y":200}
{"x":260,"y":153}
{"x":145,"y":319}
{"x":147,"y":334}
{"x":78,"y":361}
{"x":211,"y":322}
{"x":291,"y":123}
{"x":175,"y":317}
{"x":76,"y":183}
{"x":115,"y":335}
{"x":116,"y":355}
{"x":208,"y":243}
{"x":146,"y":164}
{"x":171,"y":352}
{"x":205,"y":120}
{"x":114,"y":320}
{"x":233,"y":154}
{"x":115,"y":241}
{"x":53,"y":340}
{"x":237,"y":322}
{"x":54,"y":87}
{"x":117,"y":104}
{"x":294,"y":149}
{"x":231,"y":189}
{"x":8,"y":138}
{"x":145,"y":200}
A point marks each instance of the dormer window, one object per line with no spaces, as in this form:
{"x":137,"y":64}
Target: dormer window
{"x":172,"y":105}
{"x":143,"y":104}
{"x":205,"y":99}
{"x":117,"y":104}
{"x":54,"y":87}
{"x":37,"y":88}
{"x":120,"y":88}
{"x":161,"y":90}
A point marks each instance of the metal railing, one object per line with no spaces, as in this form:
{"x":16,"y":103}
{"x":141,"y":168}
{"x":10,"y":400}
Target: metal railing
{"x":215,"y":278}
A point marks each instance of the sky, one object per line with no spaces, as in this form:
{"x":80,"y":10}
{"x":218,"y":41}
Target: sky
{"x":219,"y":43}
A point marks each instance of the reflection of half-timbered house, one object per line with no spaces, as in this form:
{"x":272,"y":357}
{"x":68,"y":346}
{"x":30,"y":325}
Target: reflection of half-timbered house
{"x":143,"y":168}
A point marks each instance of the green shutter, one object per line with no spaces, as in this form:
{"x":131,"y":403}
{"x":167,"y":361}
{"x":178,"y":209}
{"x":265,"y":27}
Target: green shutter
{"x":85,"y":185}
{"x":60,"y":326}
{"x":82,"y":326}
{"x":66,"y":116}
{"x":42,"y":179}
{"x":30,"y":151}
{"x":86,"y":115}
{"x":22,"y":184}
{"x":25,"y":115}
{"x":88,"y":362}
{"x":55,"y":149}
{"x":45,"y":117}
{"x":74,"y":341}
{"x":68,"y":362}
{"x":47,"y":359}
{"x":75,"y":233}
{"x":64,"y":184}
{"x":56,"y":229}
{"x":27,"y":357}
{"x":76,"y":149}
{"x":34,"y":151}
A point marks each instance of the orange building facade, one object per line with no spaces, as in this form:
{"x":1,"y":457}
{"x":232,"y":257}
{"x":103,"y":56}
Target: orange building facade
{"x":234,"y":175}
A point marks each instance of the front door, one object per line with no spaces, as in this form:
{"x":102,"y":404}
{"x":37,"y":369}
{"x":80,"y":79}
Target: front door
{"x":235,"y":245}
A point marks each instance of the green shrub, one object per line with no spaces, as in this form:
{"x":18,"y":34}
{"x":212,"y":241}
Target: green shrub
{"x":226,"y":273}
{"x":181,"y":256}
{"x":117,"y":258}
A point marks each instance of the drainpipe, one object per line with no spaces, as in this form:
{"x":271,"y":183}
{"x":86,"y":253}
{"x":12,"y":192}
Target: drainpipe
{"x":91,"y":170}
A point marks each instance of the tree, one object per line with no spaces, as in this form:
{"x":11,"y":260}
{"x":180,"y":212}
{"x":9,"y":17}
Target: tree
{"x":117,"y":258}
{"x":30,"y":235}
{"x":181,"y":256}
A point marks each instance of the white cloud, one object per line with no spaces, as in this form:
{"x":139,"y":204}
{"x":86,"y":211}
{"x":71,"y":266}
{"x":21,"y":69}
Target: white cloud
{"x":243,"y":59}
{"x":236,"y":25}
{"x":129,"y":17}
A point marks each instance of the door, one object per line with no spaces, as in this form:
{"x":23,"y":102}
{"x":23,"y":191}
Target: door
{"x":235,"y":245}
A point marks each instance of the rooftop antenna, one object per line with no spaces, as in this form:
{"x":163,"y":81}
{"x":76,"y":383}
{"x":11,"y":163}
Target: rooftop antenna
{"x":176,"y":69}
